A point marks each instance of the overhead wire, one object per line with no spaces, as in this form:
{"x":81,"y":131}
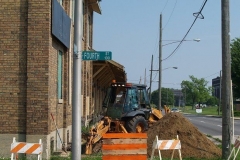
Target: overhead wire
{"x":180,"y":43}
{"x":170,"y":15}
{"x":155,"y":48}
{"x":211,"y":75}
{"x":165,"y":6}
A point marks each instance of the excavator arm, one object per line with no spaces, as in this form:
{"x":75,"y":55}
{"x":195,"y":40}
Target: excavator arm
{"x":102,"y":127}
{"x":96,"y":133}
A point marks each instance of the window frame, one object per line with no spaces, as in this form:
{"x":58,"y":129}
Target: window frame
{"x":60,"y":76}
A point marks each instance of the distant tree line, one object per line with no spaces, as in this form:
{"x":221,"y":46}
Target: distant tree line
{"x":194,"y":92}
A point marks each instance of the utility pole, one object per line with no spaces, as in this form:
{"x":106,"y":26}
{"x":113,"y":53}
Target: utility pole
{"x":150,"y":90}
{"x":76,"y":91}
{"x":145,"y":81}
{"x":160,"y":65}
{"x":226,"y":81}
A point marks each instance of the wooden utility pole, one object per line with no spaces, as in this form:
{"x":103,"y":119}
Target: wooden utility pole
{"x":150,"y":90}
{"x":226,"y":81}
{"x":160,"y":65}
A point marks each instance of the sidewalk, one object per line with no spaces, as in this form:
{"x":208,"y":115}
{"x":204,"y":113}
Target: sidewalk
{"x":214,"y":139}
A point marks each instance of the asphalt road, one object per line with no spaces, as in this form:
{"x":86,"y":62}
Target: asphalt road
{"x":211,"y":125}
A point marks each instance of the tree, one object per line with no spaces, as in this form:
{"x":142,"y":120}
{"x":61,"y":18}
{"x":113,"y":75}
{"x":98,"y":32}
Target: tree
{"x":196,"y":90}
{"x":167,"y":97}
{"x":154,"y":97}
{"x":213,"y":101}
{"x":235,"y":67}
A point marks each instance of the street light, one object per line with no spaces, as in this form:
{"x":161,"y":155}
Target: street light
{"x":169,"y":67}
{"x":177,"y":41}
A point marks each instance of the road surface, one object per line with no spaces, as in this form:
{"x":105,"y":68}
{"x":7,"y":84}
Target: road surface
{"x":212,"y":125}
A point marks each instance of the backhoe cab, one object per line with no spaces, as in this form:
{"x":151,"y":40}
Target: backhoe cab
{"x":127,"y":110}
{"x":128,"y":103}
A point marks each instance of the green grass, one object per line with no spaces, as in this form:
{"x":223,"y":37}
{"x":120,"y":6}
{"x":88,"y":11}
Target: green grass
{"x":205,"y":111}
{"x":100,"y":158}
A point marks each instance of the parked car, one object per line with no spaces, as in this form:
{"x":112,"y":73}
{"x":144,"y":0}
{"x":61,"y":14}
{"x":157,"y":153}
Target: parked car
{"x":174,"y":110}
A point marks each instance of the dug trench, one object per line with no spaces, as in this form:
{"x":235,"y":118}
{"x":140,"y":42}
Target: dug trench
{"x":194,"y":144}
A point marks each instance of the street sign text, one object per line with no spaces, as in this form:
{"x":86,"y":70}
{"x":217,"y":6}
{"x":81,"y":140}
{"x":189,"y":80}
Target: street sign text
{"x":96,"y":55}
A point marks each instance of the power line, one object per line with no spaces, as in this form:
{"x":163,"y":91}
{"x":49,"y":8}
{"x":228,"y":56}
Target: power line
{"x":197,"y":15}
{"x":170,"y":15}
{"x":165,"y":6}
{"x":211,"y":75}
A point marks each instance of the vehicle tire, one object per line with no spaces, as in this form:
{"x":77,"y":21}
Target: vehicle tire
{"x":137,"y":124}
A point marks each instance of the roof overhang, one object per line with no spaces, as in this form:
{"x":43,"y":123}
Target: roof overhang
{"x":95,"y":6}
{"x":105,"y":71}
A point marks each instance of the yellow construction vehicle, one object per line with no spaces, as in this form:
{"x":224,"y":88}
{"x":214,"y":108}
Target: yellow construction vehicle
{"x":127,"y":110}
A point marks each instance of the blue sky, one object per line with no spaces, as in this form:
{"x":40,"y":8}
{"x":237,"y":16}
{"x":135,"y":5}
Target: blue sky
{"x":130,"y":30}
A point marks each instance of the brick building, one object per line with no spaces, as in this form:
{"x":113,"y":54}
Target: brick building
{"x":36,"y":71}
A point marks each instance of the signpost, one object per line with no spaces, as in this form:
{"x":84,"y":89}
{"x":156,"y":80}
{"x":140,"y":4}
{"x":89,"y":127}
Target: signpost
{"x":96,"y":55}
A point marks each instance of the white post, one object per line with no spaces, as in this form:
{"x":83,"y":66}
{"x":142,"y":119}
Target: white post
{"x":13,"y":154}
{"x":40,"y":155}
{"x":154,"y":147}
{"x":232,"y":115}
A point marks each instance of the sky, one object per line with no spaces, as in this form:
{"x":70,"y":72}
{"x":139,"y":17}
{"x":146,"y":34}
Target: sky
{"x":130,"y":30}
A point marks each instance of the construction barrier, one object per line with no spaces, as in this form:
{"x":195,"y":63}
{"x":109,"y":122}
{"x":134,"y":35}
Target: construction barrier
{"x":235,"y":146}
{"x":124,"y":146}
{"x":166,"y":145}
{"x":27,"y":148}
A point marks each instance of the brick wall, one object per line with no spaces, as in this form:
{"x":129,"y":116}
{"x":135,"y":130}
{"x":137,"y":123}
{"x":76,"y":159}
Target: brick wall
{"x":38,"y":66}
{"x":13,"y":61}
{"x":28,"y":74}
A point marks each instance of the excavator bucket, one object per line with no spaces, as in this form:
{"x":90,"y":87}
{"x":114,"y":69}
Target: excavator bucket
{"x":155,"y":115}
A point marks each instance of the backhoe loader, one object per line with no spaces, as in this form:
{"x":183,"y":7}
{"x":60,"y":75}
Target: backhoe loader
{"x":127,"y":110}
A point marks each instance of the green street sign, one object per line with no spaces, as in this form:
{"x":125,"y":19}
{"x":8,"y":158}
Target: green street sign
{"x":96,"y":55}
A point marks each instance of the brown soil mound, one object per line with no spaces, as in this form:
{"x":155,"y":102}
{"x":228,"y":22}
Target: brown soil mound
{"x":194,"y":144}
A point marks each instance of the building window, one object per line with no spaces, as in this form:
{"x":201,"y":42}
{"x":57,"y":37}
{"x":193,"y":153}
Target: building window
{"x":59,"y":74}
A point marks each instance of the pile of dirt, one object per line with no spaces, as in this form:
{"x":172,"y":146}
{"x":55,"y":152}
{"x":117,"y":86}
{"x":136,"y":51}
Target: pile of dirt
{"x":194,"y":144}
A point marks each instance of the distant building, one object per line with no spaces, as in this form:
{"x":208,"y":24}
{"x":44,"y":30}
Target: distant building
{"x":178,"y":98}
{"x":216,"y":87}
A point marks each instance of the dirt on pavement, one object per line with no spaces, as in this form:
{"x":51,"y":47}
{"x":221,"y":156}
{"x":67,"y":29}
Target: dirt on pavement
{"x":194,"y":144}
